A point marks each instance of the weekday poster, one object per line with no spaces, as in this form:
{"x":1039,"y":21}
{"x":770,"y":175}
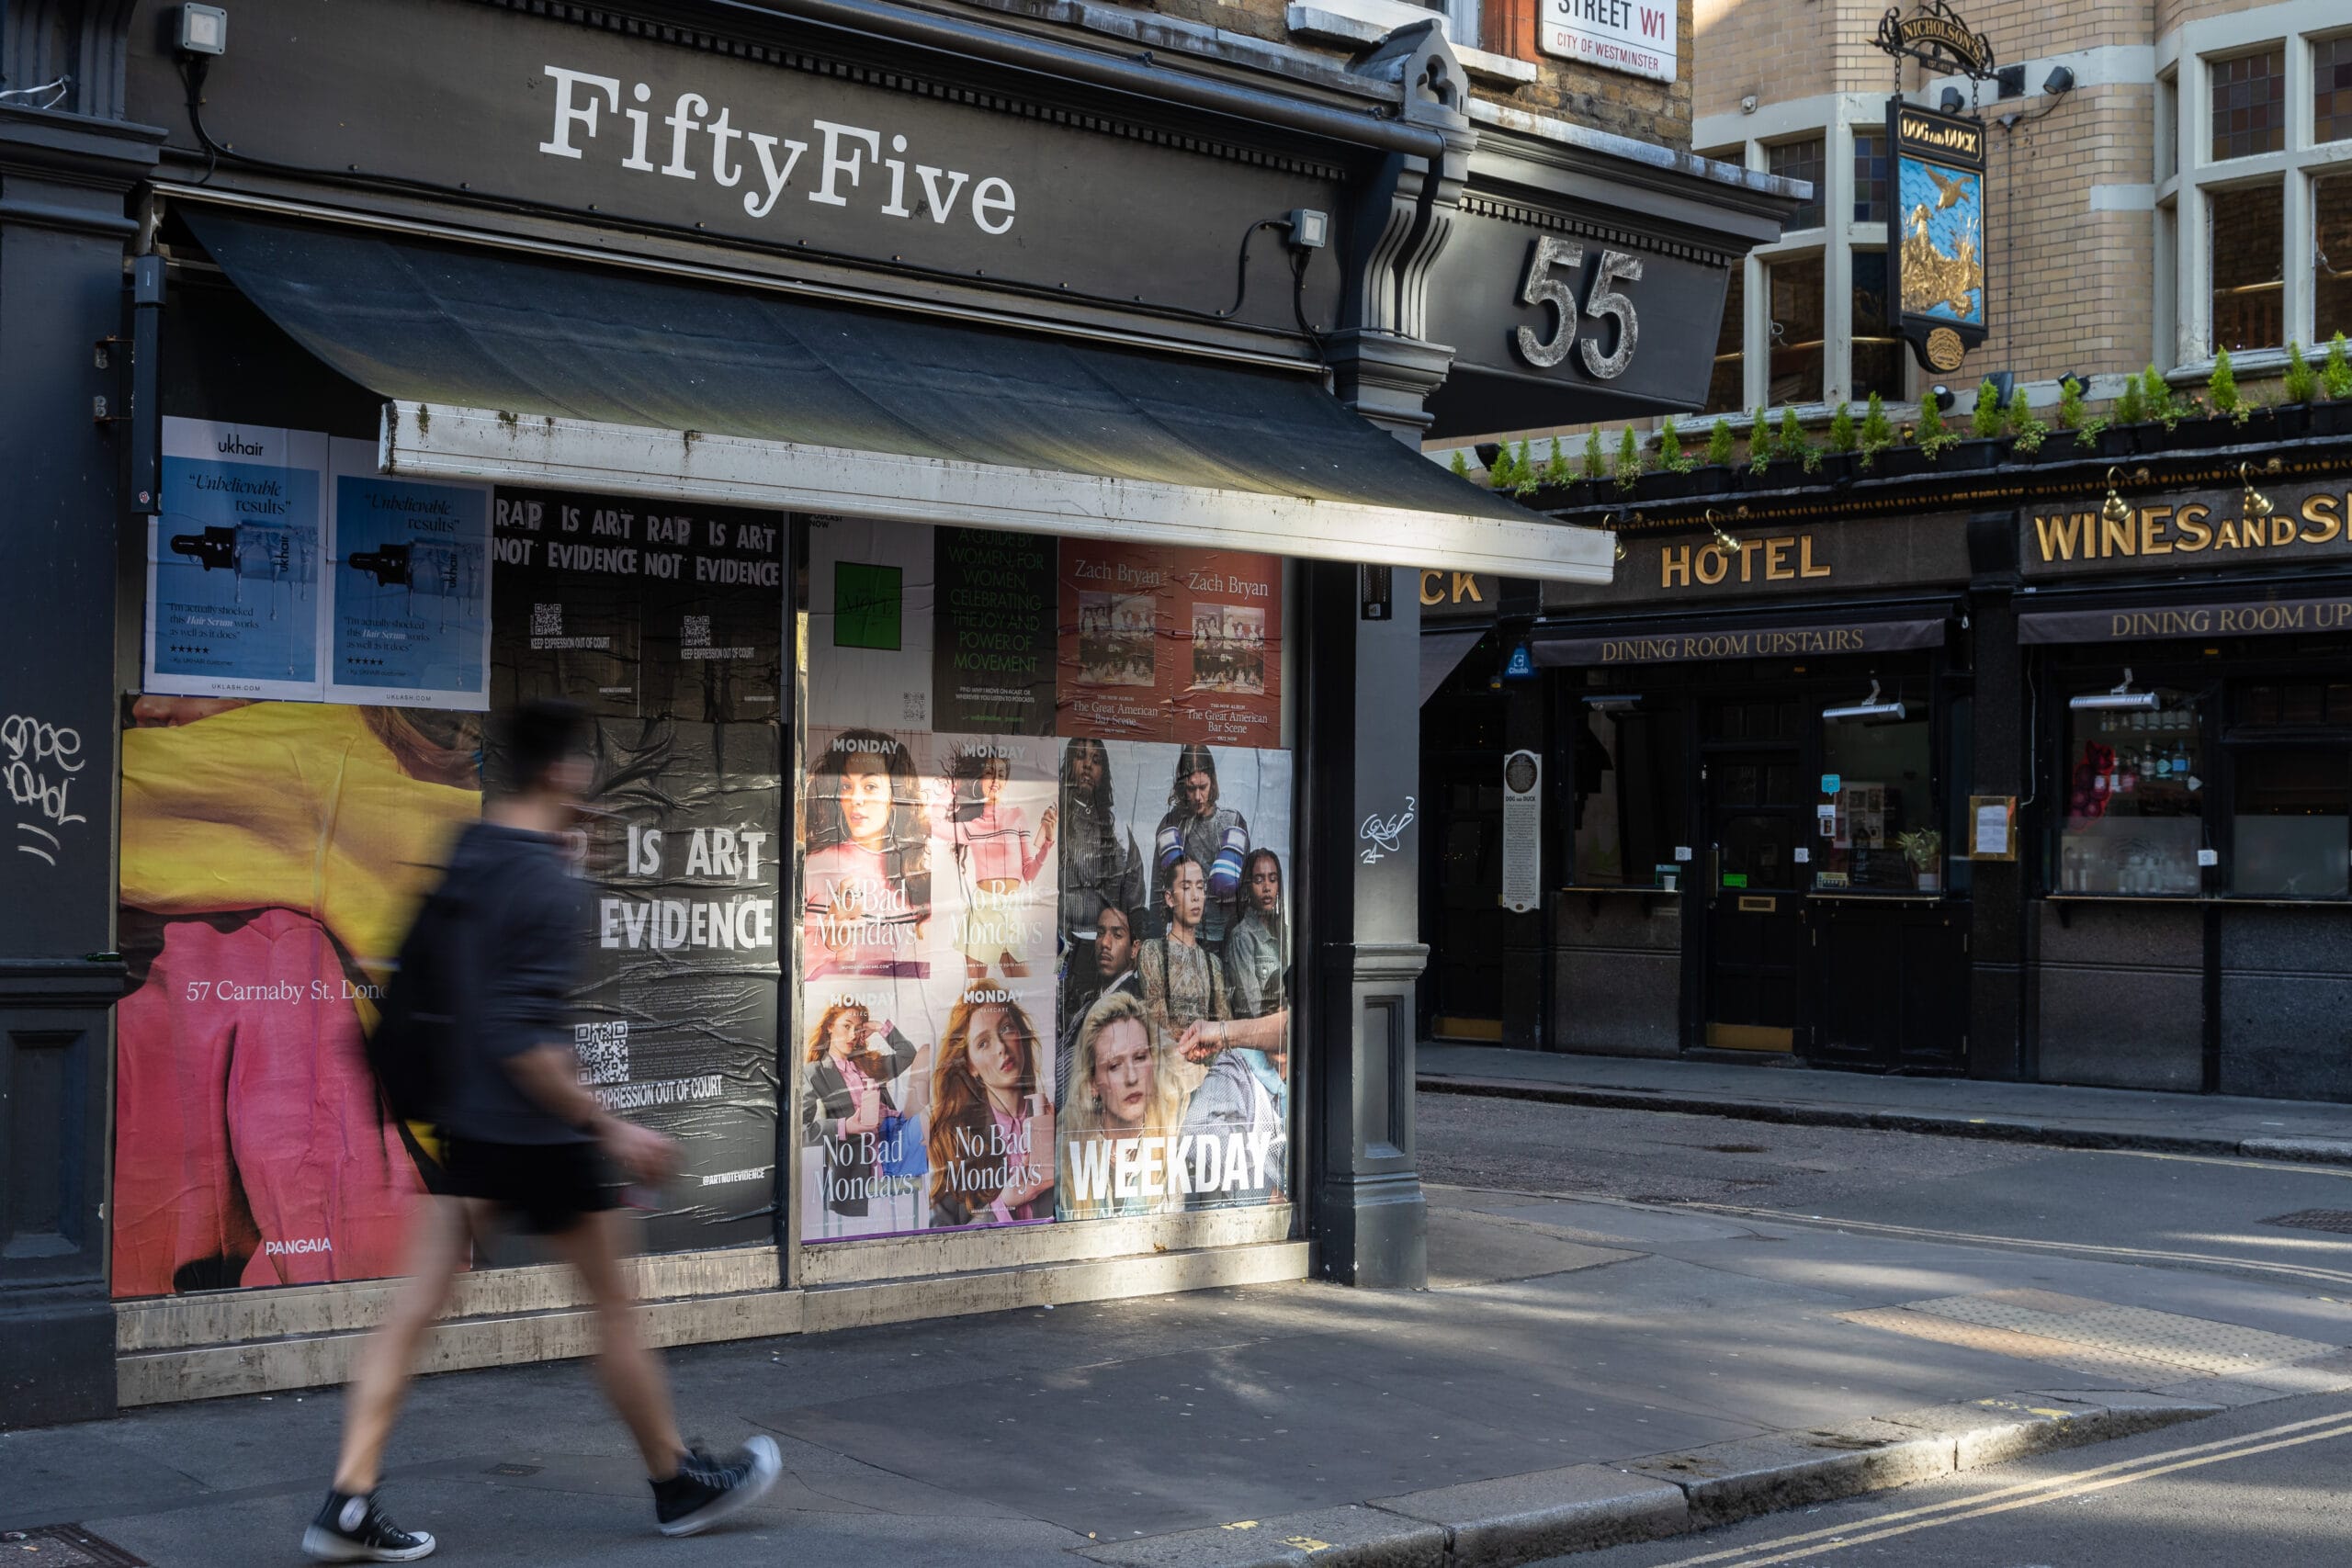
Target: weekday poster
{"x":233,"y":563}
{"x":408,"y":601}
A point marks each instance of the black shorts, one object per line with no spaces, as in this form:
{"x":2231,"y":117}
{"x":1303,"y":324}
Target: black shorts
{"x":550,"y":1186}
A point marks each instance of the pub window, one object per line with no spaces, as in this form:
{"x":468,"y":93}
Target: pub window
{"x":2332,"y":89}
{"x":2248,"y":228}
{"x":1727,"y":387}
{"x":1879,"y":830}
{"x":2291,"y":830}
{"x":2290,"y":827}
{"x":1869,"y":177}
{"x":1801,"y":160}
{"x":2332,"y":253}
{"x":2135,"y":789}
{"x":1796,"y":331}
{"x":1878,"y":353}
{"x":1627,"y":793}
{"x":2249,"y":104}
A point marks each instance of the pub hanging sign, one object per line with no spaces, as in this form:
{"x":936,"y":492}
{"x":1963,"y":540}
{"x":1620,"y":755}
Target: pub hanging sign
{"x":1938,"y":272}
{"x":1937,"y":36}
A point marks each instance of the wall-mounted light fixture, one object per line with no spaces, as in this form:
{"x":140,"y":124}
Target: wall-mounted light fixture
{"x":2257,"y":505}
{"x":1714,"y":521}
{"x":1870,"y":707}
{"x":2119,"y":696}
{"x":1614,"y":701}
{"x":1952,"y":102}
{"x":2115,"y":509}
{"x":2060,"y":80}
{"x":204,"y":29}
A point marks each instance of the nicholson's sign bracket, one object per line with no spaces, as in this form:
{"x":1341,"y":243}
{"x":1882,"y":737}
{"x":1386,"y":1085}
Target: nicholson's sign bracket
{"x":1937,"y":36}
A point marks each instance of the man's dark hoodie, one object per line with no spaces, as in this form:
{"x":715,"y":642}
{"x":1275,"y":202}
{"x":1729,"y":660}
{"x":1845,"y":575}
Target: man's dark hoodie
{"x":523,"y":917}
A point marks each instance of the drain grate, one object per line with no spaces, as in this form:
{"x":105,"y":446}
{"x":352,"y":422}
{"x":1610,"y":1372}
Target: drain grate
{"x":63,"y":1546}
{"x":2336,"y":1220}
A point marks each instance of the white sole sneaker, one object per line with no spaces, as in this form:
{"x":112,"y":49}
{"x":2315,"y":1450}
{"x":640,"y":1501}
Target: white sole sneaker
{"x":767,"y":1464}
{"x":325,"y":1546}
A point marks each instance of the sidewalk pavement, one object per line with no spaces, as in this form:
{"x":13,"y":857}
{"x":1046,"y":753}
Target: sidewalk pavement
{"x":1588,"y":1370}
{"x":2055,"y":1114}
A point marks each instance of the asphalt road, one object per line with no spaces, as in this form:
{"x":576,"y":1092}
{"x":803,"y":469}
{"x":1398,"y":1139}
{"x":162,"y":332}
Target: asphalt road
{"x":2264,"y":1487}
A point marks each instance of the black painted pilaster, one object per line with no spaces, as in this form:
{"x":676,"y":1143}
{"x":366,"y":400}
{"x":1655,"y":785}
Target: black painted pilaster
{"x":1998,"y":978}
{"x":64,"y":179}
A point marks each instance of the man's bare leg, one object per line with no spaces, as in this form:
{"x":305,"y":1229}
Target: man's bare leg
{"x":633,"y":1379}
{"x":436,"y":1251}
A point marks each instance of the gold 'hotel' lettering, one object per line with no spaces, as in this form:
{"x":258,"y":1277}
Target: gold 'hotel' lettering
{"x":1679,"y":565}
{"x":2186,"y":529}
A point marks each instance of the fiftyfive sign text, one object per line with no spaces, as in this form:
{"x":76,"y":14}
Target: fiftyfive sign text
{"x":850,"y":167}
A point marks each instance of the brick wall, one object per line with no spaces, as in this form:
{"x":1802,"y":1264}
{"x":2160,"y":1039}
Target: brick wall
{"x":1770,"y":49}
{"x":1657,"y":112}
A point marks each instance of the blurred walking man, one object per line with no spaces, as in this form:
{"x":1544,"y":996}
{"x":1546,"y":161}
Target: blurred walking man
{"x":524,"y":1141}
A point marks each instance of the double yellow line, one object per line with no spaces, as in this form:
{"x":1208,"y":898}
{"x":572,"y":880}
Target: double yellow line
{"x":2026,"y":1495}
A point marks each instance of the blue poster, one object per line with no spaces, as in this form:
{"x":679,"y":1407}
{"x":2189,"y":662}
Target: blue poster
{"x":234,"y":563}
{"x":408,"y":625}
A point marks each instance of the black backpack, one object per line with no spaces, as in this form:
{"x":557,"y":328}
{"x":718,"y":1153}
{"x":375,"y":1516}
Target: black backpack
{"x":415,"y":1038}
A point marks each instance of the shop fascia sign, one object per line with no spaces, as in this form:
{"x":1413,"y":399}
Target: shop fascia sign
{"x":1637,"y":36}
{"x":2197,"y":529}
{"x":869,"y":166}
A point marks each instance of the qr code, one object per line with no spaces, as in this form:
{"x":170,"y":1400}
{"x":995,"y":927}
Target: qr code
{"x":547,"y":620}
{"x":602,"y":1050}
{"x":693,"y":631}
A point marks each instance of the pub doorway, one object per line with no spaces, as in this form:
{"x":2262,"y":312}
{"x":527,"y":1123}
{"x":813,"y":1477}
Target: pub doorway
{"x":1752,"y":987}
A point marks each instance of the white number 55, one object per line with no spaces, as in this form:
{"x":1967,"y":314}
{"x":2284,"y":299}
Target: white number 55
{"x":1541,"y":287}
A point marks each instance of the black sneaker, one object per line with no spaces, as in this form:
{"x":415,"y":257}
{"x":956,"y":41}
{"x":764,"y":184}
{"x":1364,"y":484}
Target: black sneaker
{"x":705,"y":1491}
{"x":357,"y":1529}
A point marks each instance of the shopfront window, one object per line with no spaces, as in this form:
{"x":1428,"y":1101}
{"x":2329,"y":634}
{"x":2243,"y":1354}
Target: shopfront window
{"x":1629,"y":794}
{"x":1869,"y":177}
{"x":2136,"y":788}
{"x":1876,"y":829}
{"x":2291,"y":829}
{"x":1727,"y":387}
{"x":2249,"y":104}
{"x":2332,"y":89}
{"x":2332,"y":254}
{"x":1051,"y":871}
{"x":2292,"y":826}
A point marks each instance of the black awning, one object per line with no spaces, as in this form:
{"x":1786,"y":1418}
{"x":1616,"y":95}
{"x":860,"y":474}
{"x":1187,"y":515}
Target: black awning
{"x":451,"y":325}
{"x":1442,"y":652}
{"x":1569,"y":646}
{"x":2246,"y":614}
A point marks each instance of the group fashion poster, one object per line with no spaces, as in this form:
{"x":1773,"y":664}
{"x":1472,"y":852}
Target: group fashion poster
{"x":1045,"y":976}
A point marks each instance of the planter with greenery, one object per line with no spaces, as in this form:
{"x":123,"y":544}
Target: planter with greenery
{"x":1842,"y":452}
{"x":2029,"y":437}
{"x":1759,"y":474}
{"x":2298,"y":390}
{"x":2222,"y":423}
{"x":1793,"y":444}
{"x":1932,"y":439}
{"x":1876,"y":437}
{"x":1714,"y":476}
{"x":1671,"y":479}
{"x":1986,"y":443}
{"x":2334,"y":417}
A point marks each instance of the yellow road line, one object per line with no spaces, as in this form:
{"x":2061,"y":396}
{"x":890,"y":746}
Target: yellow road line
{"x":2026,"y":1493}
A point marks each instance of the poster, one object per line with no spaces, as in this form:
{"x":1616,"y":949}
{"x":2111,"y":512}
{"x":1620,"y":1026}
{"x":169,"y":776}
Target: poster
{"x":993,"y":667}
{"x":635,"y":608}
{"x":870,"y":595}
{"x":234,"y":561}
{"x":1171,"y":645}
{"x":929,"y":900}
{"x":272,"y":856}
{"x":1045,"y":934}
{"x":408,"y":597}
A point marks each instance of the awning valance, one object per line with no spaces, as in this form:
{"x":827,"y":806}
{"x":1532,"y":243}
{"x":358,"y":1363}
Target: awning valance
{"x":1572,"y":647}
{"x":504,"y":366}
{"x":1442,"y":653}
{"x":2249,"y":616}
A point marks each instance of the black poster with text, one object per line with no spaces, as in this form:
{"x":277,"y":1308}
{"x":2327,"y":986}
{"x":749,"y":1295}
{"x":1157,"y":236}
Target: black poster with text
{"x":665,"y":621}
{"x":992,"y":659}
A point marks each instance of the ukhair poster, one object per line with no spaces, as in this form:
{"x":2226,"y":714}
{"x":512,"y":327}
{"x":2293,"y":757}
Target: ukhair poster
{"x":234,"y":594}
{"x":870,"y":597}
{"x":1175,"y":1046}
{"x":408,"y":587}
